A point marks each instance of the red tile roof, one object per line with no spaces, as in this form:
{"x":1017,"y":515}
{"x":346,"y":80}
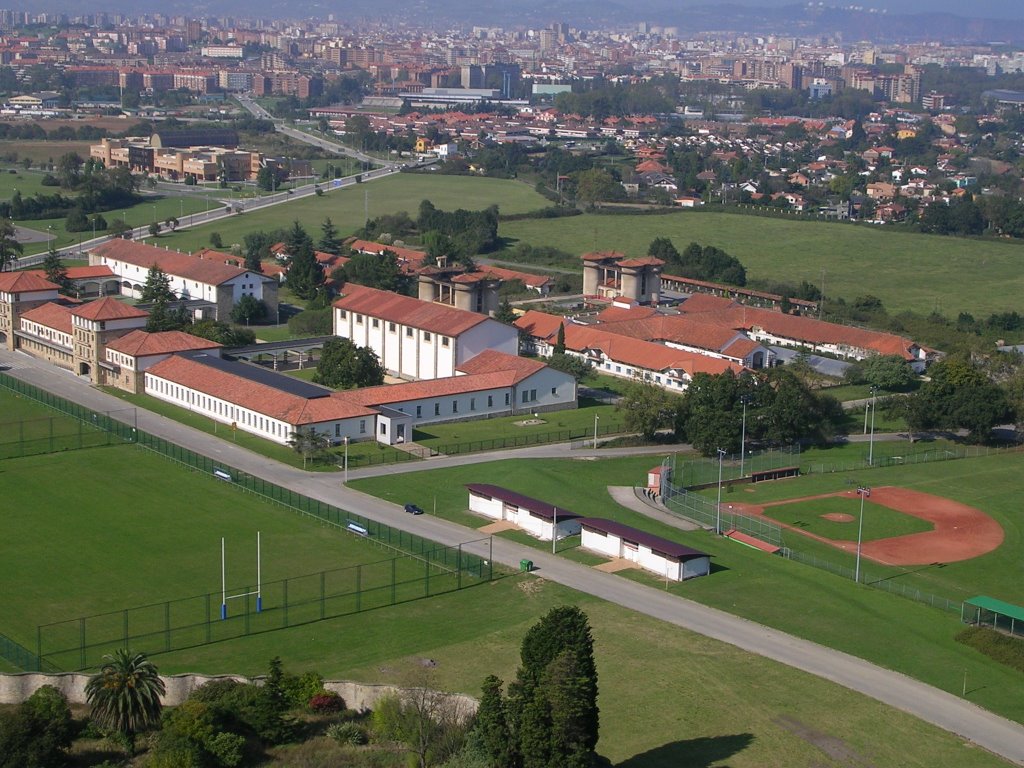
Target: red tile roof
{"x":602,"y":256}
{"x":406,"y":310}
{"x":675,"y":328}
{"x":427,"y":388}
{"x":108,"y":308}
{"x":540,"y":324}
{"x":641,"y":261}
{"x":613,"y":314}
{"x":25,"y":282}
{"x":409,"y":255}
{"x":527,"y":278}
{"x":201,"y":270}
{"x":56,"y":316}
{"x":642,"y":354}
{"x":490,"y":361}
{"x":141,"y":343}
{"x":79,"y":273}
{"x":243,"y":392}
{"x":706,"y":302}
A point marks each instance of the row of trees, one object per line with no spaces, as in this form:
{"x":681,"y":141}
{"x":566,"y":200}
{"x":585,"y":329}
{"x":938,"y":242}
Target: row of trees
{"x":781,"y":410}
{"x":699,"y":262}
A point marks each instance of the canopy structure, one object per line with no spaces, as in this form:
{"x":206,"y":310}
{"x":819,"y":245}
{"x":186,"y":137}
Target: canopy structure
{"x":1000,"y":611}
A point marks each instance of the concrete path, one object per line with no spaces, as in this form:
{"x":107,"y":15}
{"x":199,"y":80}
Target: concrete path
{"x":625,"y":496}
{"x":943,"y":709}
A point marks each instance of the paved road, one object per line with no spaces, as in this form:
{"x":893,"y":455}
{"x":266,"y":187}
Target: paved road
{"x":938,"y":707}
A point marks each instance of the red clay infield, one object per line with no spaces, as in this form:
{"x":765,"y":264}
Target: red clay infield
{"x":839,"y":517}
{"x":961,"y":532}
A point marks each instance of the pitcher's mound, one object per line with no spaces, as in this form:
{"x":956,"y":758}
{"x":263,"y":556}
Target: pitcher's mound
{"x":839,"y":517}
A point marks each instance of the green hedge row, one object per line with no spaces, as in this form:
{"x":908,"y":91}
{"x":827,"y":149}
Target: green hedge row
{"x":1005,"y":649}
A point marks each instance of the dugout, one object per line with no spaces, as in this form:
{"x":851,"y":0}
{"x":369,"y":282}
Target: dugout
{"x":983,"y":611}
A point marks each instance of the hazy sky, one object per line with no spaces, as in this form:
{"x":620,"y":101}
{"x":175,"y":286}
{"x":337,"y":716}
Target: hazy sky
{"x":997,"y":9}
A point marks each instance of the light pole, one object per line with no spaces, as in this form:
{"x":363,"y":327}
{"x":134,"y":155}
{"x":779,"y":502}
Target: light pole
{"x":743,"y":436}
{"x":596,"y":419}
{"x":554,"y":529}
{"x":863,"y":492}
{"x":49,"y":237}
{"x":718,"y":507}
{"x":871,"y":437}
{"x":346,"y":459}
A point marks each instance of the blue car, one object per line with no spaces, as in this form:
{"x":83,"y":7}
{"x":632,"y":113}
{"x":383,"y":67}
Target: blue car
{"x":412,"y":509}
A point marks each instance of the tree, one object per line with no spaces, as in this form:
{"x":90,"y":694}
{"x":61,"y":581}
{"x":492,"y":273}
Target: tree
{"x":38,"y":733}
{"x":125,"y":694}
{"x":560,"y":340}
{"x":575,"y":366}
{"x":375,"y":271}
{"x":223,"y":333}
{"x":69,"y":166}
{"x":77,"y":221}
{"x":663,"y":248}
{"x":491,"y":725}
{"x":216,"y":241}
{"x":597,"y":185}
{"x":118,"y":228}
{"x":10,"y":248}
{"x":709,"y":419}
{"x":305,"y":275}
{"x":248,"y":309}
{"x":55,"y":270}
{"x":157,"y":286}
{"x":554,"y":697}
{"x":889,"y":372}
{"x":343,"y":365}
{"x":959,"y":395}
{"x":163,"y":318}
{"x":312,"y":322}
{"x":154,"y":229}
{"x":505,"y":313}
{"x":310,"y":444}
{"x":648,"y":408}
{"x":330,"y":242}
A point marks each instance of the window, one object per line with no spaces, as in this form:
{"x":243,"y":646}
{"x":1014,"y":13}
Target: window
{"x":507,"y":398}
{"x":359,"y":319}
{"x":337,"y":430}
{"x":362,"y":426}
{"x":618,"y":369}
{"x":554,"y":391}
{"x":383,"y":428}
{"x":391,"y":327}
{"x":524,"y":395}
{"x":342,"y":314}
{"x":376,"y":323}
{"x":472,"y":403}
{"x":445,"y":341}
{"x":437,"y":409}
{"x":426,"y":336}
{"x":533,"y":395}
{"x":455,"y":406}
{"x":490,"y":401}
{"x":419,"y":411}
{"x":408,"y":332}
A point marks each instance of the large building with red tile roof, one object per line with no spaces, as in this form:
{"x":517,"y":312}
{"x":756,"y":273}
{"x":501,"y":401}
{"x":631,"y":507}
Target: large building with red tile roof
{"x":210,"y":279}
{"x":609,"y":275}
{"x":416,"y":339}
{"x":19,"y":292}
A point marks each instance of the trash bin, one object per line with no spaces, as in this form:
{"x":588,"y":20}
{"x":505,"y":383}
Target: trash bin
{"x":526,"y":565}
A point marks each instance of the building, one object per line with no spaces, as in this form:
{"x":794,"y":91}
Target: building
{"x":217,"y":282}
{"x":19,"y":293}
{"x":666,"y":559}
{"x":130,"y":356}
{"x":610,"y":275}
{"x":416,"y":339}
{"x":537,"y":518}
{"x":204,"y":155}
{"x":471,"y":290}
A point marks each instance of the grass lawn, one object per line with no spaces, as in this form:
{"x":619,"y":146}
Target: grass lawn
{"x":812,"y":603}
{"x":157,"y":538}
{"x":272,"y":332}
{"x":28,"y":427}
{"x":904,"y":270}
{"x":808,"y":516}
{"x":45,"y":151}
{"x":752,"y":713}
{"x":26,"y":182}
{"x":559,"y":426}
{"x":402,"y":192}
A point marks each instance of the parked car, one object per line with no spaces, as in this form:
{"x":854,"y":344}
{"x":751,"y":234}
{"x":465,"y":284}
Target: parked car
{"x":412,"y":509}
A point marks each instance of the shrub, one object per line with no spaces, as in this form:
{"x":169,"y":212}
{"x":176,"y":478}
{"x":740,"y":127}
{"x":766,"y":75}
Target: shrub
{"x":326,"y":701}
{"x":1002,"y":648}
{"x":352,"y":734}
{"x":300,"y":689}
{"x":215,"y":240}
{"x":312,"y":322}
{"x":49,"y":180}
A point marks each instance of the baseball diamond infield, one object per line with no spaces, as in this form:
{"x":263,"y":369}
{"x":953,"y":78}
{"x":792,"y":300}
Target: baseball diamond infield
{"x":961,"y":532}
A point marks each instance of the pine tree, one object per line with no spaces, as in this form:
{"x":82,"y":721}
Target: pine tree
{"x":329,"y":240}
{"x":491,"y":725}
{"x":305,"y":275}
{"x":158,"y":286}
{"x":560,"y":340}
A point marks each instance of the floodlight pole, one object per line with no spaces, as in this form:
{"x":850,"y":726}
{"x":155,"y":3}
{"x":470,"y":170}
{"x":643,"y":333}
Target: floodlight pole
{"x":863,"y":492}
{"x":223,"y":584}
{"x":554,"y":530}
{"x":596,"y":419}
{"x":346,"y":459}
{"x":718,"y":507}
{"x":259,"y":576}
{"x":871,"y":437}
{"x":743,"y":436}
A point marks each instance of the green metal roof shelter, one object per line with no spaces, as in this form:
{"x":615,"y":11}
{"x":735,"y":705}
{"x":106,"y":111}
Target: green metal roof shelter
{"x":989,"y":605}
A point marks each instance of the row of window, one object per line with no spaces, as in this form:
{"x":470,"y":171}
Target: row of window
{"x":393,"y":328}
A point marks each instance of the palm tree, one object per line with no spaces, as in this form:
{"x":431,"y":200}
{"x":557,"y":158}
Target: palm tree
{"x":125,"y":694}
{"x":10,"y":248}
{"x":310,"y":443}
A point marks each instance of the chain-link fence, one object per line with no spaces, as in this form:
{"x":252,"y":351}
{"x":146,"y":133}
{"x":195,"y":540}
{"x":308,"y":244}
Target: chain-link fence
{"x":889,"y":454}
{"x":703,"y":470}
{"x":704,"y":512}
{"x":174,"y":625}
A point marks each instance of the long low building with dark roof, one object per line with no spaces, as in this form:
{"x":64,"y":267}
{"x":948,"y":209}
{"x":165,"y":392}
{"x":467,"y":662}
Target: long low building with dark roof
{"x":663,"y":557}
{"x":533,"y":516}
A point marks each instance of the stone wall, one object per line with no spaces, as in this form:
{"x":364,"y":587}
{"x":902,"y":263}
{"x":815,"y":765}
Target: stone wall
{"x":16,"y":688}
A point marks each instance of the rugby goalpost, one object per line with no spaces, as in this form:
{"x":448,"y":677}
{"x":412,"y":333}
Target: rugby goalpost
{"x":224,"y":581}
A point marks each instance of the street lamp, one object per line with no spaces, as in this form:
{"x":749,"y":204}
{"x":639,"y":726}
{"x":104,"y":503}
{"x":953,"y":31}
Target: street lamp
{"x":596,"y":419}
{"x":718,"y":508}
{"x":745,"y":399}
{"x":863,"y":492}
{"x":49,"y":237}
{"x":346,"y":459}
{"x":871,"y":437}
{"x":554,"y":529}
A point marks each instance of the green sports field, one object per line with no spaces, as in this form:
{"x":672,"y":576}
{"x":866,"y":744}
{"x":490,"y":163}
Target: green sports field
{"x":813,"y":603}
{"x":904,"y":270}
{"x":809,"y":516}
{"x":157,"y":538}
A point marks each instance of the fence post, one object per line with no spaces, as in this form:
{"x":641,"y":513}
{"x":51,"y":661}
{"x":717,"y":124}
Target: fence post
{"x":359,"y":588}
{"x":458,"y":569}
{"x":426,"y":574}
{"x":248,"y":591}
{"x":393,"y":580}
{"x":323,"y":604}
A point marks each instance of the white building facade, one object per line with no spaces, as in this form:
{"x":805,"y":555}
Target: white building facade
{"x":662,"y":557}
{"x":537,"y":518}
